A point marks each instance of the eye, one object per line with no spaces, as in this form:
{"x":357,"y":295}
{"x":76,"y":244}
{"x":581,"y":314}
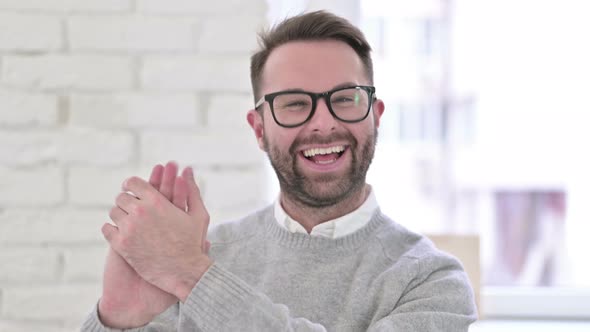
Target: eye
{"x":297,"y":103}
{"x":343,"y":99}
{"x":346,"y":100}
{"x":292,"y":103}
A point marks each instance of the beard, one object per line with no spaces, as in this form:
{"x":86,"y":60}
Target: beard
{"x":325,"y":190}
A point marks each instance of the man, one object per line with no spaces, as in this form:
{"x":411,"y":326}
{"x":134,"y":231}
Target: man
{"x":323,"y":257}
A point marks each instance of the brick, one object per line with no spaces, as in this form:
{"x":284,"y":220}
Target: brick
{"x":20,"y":109}
{"x":85,"y":72}
{"x":23,"y":326}
{"x":84,"y":264}
{"x":229,"y":111}
{"x":76,"y":145}
{"x":206,"y":149}
{"x":234,"y":189}
{"x":70,"y":301}
{"x":27,"y":147}
{"x":196,"y":73}
{"x":91,"y":146}
{"x":37,"y":187}
{"x":134,"y":110}
{"x":20,"y":226}
{"x":96,"y":187}
{"x":135,"y":33}
{"x":257,"y":7}
{"x":65,"y":6}
{"x":217,"y":38}
{"x":25,"y":265}
{"x":19,"y":32}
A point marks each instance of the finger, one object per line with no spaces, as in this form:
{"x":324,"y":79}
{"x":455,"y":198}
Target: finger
{"x":109,"y":232}
{"x":180,"y":194}
{"x":126,"y":202}
{"x":139,"y":187}
{"x":168,"y":179}
{"x":117,"y":215}
{"x":156,"y":176}
{"x":195,"y":205}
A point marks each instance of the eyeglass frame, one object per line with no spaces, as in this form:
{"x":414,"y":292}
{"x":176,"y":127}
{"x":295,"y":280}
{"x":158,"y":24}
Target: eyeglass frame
{"x":314,"y":101}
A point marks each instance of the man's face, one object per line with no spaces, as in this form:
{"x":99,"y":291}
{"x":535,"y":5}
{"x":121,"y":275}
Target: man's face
{"x":346,"y":149}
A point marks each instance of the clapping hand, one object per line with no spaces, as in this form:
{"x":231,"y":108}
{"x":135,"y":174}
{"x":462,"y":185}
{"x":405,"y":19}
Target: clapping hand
{"x":158,"y":247}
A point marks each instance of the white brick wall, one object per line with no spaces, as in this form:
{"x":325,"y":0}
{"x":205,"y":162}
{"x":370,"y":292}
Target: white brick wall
{"x":136,"y":110}
{"x":200,"y":73}
{"x":77,"y":72}
{"x":32,"y":186}
{"x":22,"y":109}
{"x":218,"y":8}
{"x":80,"y":264}
{"x":92,"y":92}
{"x":65,"y":6}
{"x":216,"y":38}
{"x":96,"y":187}
{"x":27,"y":147}
{"x":22,"y":32}
{"x":47,"y":226}
{"x":96,"y":147}
{"x":226,"y":190}
{"x":49,"y":302}
{"x":19,"y":326}
{"x":227,"y":111}
{"x":211,"y":148}
{"x":136,"y":33}
{"x":29,"y":265}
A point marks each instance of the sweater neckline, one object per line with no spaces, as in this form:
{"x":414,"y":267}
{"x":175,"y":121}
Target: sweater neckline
{"x":306,"y":241}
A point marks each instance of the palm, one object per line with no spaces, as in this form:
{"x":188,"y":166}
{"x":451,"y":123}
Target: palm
{"x":124,"y":289}
{"x":127,"y":299}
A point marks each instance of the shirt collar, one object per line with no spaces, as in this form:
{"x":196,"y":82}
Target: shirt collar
{"x":334,"y":228}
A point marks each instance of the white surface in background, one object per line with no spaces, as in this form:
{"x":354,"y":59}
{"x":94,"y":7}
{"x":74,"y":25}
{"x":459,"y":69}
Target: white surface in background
{"x":532,"y":326}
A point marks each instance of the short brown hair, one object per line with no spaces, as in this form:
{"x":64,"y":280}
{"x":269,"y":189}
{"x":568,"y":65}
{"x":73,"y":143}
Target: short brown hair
{"x":318,"y":25}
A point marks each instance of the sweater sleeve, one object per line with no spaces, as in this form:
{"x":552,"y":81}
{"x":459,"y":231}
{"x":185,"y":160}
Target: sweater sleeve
{"x":439,"y":298}
{"x":223,"y":302}
{"x":165,"y":322}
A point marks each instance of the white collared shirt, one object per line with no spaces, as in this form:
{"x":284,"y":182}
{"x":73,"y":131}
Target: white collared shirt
{"x":334,"y":228}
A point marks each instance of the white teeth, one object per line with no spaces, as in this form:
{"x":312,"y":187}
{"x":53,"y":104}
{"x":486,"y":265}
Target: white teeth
{"x":312,"y":152}
{"x":325,"y":162}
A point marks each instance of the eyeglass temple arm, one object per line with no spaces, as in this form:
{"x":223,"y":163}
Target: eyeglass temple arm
{"x":259,"y":102}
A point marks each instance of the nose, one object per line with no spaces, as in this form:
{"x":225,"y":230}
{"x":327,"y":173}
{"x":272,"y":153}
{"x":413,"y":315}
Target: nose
{"x":322,"y":120}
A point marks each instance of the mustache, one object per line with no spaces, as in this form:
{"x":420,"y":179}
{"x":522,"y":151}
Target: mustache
{"x":319,"y":139}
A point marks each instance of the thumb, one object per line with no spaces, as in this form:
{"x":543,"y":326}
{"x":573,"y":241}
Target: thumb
{"x":194,"y":202}
{"x":196,"y":208}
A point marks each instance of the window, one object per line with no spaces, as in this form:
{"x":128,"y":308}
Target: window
{"x":484,"y":131}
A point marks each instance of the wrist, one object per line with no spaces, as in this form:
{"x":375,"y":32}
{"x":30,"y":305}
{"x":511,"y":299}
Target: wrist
{"x":187,"y":282}
{"x":113,"y":316}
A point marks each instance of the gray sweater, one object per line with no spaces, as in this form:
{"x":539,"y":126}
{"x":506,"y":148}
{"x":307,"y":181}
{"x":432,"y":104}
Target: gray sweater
{"x":264,"y":278}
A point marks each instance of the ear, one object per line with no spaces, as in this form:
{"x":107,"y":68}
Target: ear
{"x":256,"y":123}
{"x":378,"y":109}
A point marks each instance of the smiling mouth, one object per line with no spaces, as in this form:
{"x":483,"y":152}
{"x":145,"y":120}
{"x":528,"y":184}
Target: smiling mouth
{"x":324,"y":156}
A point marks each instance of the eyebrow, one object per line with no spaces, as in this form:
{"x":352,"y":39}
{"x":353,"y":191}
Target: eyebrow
{"x":344,"y":85}
{"x":341,"y":85}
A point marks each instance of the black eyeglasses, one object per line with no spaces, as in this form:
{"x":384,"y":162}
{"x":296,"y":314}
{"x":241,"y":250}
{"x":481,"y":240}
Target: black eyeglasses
{"x":293,"y":108}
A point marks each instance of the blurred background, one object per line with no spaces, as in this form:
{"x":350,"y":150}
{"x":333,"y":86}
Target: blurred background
{"x":483,"y":137}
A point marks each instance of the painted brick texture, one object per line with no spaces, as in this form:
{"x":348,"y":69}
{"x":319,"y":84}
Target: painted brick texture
{"x":95,"y":91}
